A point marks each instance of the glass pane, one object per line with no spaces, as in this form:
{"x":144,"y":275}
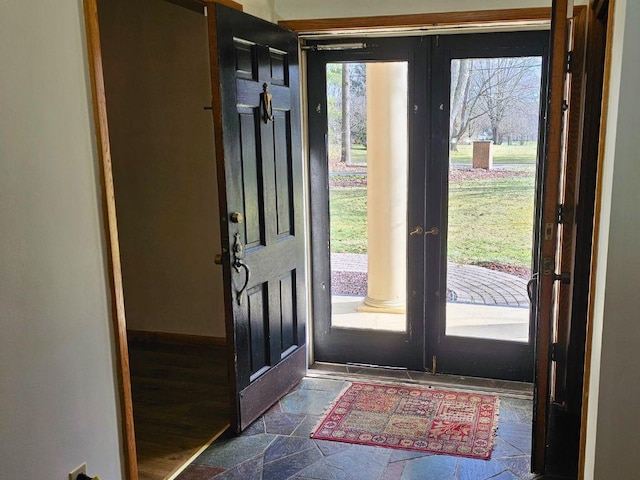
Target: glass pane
{"x":368,"y":162}
{"x":495,"y":105}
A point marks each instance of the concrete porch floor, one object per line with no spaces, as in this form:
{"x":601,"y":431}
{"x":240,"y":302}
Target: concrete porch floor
{"x":463,"y":319}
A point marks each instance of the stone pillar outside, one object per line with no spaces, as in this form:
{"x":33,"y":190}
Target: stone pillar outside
{"x":387,"y":168}
{"x":483,"y":154}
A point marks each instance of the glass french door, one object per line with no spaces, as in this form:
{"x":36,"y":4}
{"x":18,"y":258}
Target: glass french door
{"x":424,"y":205}
{"x":367,"y":192}
{"x":481,"y":181}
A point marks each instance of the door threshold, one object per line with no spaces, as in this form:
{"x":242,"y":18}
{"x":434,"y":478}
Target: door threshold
{"x":356,"y":373}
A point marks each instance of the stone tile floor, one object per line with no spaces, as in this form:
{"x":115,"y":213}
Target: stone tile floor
{"x":277,"y":447}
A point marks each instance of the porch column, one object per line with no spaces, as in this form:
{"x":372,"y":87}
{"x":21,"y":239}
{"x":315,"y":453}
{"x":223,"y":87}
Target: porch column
{"x":387,"y":163}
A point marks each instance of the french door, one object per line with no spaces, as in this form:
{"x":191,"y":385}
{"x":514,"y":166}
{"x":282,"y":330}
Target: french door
{"x":487,"y":92}
{"x":366,"y":193}
{"x":463,"y":311}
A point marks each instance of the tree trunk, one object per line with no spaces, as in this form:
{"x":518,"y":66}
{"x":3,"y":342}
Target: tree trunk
{"x":345,"y":155}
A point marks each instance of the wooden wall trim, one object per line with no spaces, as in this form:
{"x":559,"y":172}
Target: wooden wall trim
{"x":111,"y":235}
{"x":596,"y":231}
{"x":441,"y":19}
{"x":140,"y":336}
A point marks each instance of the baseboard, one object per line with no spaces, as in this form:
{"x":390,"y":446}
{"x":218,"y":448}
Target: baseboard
{"x":141,"y":336}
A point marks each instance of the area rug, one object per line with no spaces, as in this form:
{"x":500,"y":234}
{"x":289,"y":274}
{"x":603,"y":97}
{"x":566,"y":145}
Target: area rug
{"x":413,"y":418}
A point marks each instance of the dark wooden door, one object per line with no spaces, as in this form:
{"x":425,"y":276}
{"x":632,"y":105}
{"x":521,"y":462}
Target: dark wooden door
{"x":256,"y":110}
{"x":339,"y":343}
{"x":458,"y":343}
{"x":550,"y":244}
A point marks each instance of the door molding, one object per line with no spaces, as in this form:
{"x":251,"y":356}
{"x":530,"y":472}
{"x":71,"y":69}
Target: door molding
{"x":110,"y":225}
{"x":422,"y":20}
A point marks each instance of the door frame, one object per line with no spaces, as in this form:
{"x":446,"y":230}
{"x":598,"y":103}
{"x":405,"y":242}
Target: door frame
{"x":447,"y":22}
{"x":110,"y":222}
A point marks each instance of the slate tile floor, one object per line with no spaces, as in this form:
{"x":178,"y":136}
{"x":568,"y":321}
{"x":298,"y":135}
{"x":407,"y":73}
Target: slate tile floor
{"x":277,"y":447}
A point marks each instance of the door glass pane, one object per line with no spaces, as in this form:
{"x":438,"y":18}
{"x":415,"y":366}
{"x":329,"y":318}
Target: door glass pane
{"x":368,"y":162}
{"x":495,"y":106}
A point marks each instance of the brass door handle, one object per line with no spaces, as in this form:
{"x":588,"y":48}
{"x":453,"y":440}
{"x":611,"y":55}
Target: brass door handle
{"x":218,"y":259}
{"x":417,"y":230}
{"x":433,"y":231}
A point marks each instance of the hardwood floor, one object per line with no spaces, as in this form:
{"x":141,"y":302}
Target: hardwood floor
{"x":180,"y":402}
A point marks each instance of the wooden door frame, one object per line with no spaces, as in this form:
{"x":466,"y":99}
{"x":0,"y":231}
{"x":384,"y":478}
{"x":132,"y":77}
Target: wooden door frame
{"x":393,"y":24}
{"x":110,"y":222}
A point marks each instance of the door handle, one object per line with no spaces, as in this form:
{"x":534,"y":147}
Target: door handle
{"x":433,"y":231}
{"x":267,"y":105}
{"x":218,"y":259}
{"x":530,"y":286}
{"x":238,"y":264}
{"x":417,"y":230}
{"x":238,"y":257}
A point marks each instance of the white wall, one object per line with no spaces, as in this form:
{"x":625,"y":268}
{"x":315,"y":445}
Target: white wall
{"x":259,"y":8}
{"x":157,"y":82}
{"x":306,"y":9}
{"x":57,"y":382}
{"x":613,"y":424}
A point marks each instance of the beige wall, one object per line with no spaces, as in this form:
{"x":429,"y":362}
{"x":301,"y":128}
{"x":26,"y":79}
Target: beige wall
{"x":306,"y":9}
{"x":614,"y":422}
{"x":157,"y":82}
{"x":57,"y":381}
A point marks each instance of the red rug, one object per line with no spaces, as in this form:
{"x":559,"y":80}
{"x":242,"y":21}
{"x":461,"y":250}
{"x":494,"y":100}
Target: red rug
{"x":413,"y":418}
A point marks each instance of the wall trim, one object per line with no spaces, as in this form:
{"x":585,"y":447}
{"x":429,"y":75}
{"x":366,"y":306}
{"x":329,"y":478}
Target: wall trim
{"x":110,"y":225}
{"x":141,"y":336}
{"x":442,"y":19}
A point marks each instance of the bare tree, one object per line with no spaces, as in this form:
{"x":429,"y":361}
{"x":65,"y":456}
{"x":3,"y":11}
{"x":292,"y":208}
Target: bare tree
{"x":491,"y":89}
{"x":506,"y":83}
{"x":345,"y":155}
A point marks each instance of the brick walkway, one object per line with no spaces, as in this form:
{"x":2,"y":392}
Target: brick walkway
{"x":467,"y":283}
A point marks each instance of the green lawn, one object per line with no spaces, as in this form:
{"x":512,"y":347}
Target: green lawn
{"x":358,"y":154}
{"x":490,"y":220}
{"x":502,"y":154}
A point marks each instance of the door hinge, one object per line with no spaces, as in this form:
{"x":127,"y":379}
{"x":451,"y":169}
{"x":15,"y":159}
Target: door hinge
{"x":556,"y":352}
{"x":564,"y":214}
{"x":564,"y":278}
{"x":560,"y":214}
{"x":570,"y":61}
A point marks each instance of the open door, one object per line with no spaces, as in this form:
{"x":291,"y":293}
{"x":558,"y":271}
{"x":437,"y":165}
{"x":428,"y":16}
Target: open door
{"x":256,"y":112}
{"x":550,"y":253}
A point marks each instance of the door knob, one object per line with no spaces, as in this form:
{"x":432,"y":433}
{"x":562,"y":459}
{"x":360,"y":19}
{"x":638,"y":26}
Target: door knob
{"x":218,"y":259}
{"x":237,"y":217}
{"x":433,"y":231}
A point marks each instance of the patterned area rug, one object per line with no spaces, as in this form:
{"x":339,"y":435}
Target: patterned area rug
{"x":413,"y":418}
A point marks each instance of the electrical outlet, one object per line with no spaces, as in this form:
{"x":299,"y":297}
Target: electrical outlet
{"x":73,"y":475}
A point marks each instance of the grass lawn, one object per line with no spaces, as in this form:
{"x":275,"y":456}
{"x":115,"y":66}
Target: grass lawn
{"x":502,"y":154}
{"x":490,"y":220}
{"x":358,"y":154}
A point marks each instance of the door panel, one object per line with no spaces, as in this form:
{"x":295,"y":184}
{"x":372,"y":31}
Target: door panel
{"x":550,"y":191}
{"x":258,"y":148}
{"x":478,"y":314}
{"x":365,"y":303}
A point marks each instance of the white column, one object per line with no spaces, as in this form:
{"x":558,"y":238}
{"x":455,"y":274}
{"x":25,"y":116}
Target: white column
{"x":387,"y":163}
